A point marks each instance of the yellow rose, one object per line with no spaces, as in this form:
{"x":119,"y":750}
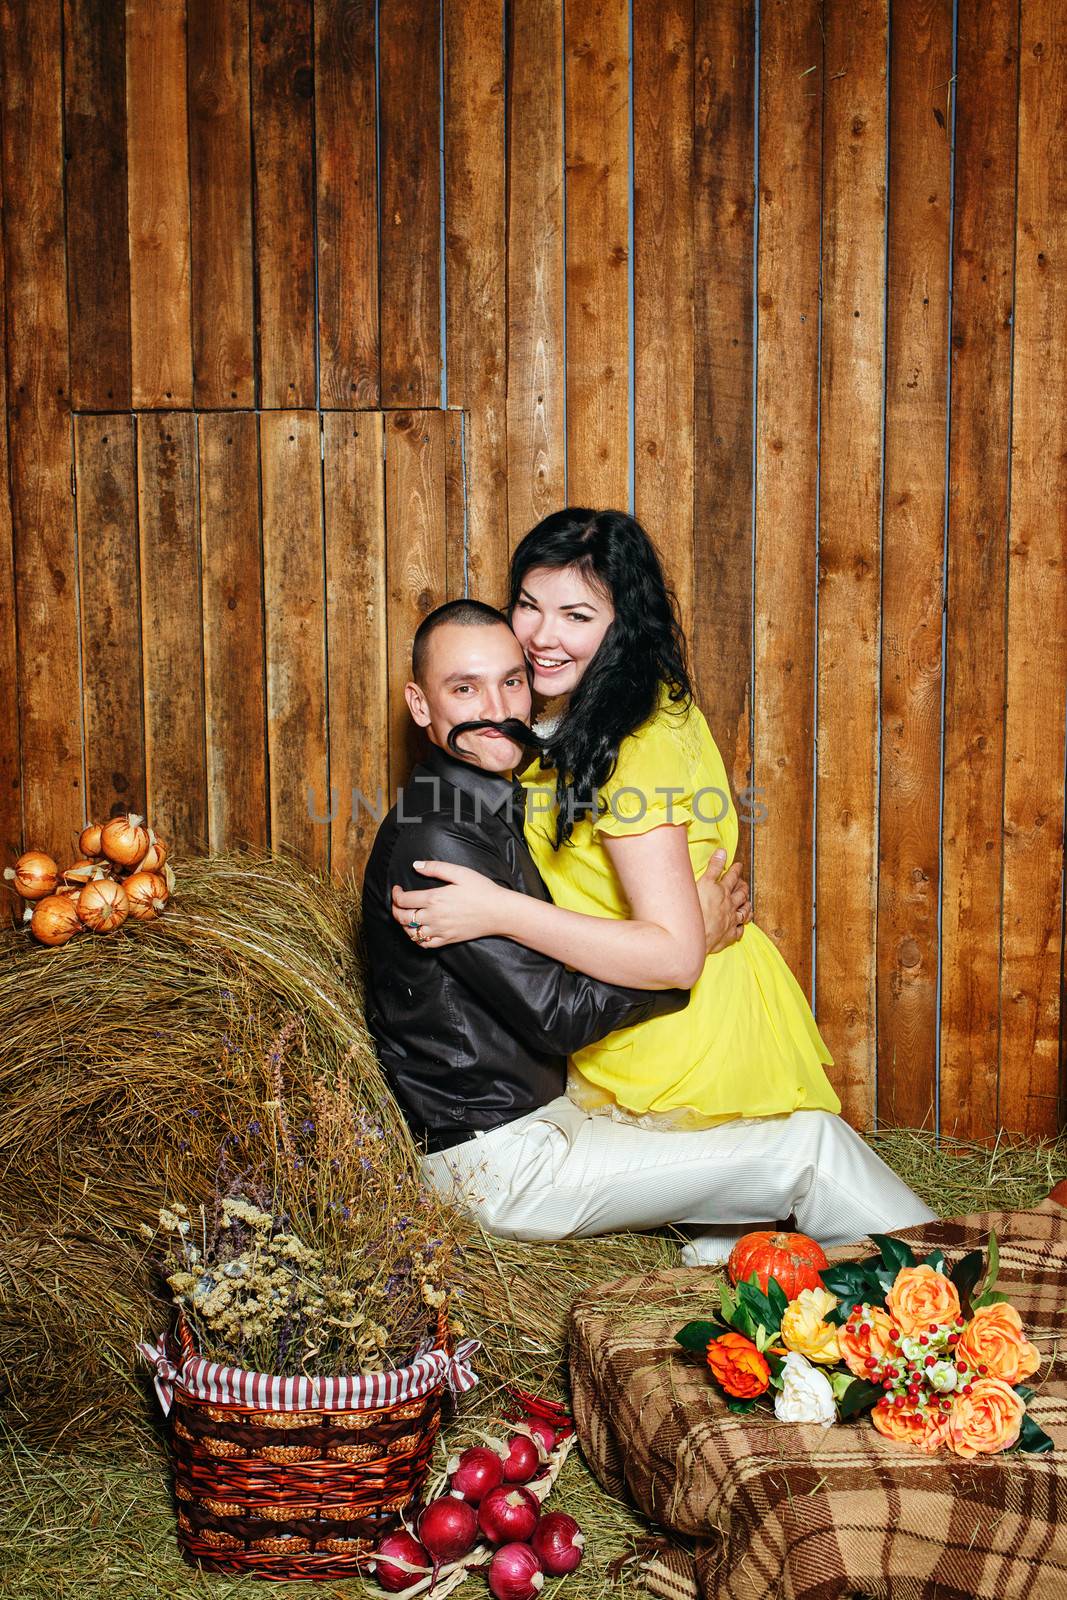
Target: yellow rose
{"x":805,"y":1329}
{"x":922,"y":1299}
{"x":987,"y":1420}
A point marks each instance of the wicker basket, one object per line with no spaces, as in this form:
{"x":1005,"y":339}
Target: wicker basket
{"x":298,"y":1478}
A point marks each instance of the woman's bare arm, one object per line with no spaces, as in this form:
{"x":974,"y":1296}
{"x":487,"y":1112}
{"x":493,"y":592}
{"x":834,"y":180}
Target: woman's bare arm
{"x":661,"y":945}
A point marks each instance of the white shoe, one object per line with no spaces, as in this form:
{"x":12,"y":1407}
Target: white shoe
{"x":709,"y":1249}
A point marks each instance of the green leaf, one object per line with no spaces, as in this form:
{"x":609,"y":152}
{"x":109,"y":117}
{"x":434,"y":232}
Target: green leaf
{"x":846,"y":1278}
{"x":727,"y":1303}
{"x":1034,"y":1440}
{"x":734,"y":1404}
{"x":895,"y":1253}
{"x":778,"y":1298}
{"x":965,"y":1275}
{"x":1027,"y":1394}
{"x":884,"y":1277}
{"x":750,"y":1295}
{"x":935,"y":1259}
{"x":696,"y":1335}
{"x":859,"y":1396}
{"x":993,"y":1268}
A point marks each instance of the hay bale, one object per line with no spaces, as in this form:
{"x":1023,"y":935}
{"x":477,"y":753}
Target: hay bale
{"x":128,"y":1057}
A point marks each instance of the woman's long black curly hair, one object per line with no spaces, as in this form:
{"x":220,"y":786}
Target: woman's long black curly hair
{"x":643,"y":647}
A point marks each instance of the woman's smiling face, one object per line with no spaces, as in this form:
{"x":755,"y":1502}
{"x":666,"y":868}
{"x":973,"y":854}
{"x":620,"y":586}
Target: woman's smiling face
{"x":560,"y":620}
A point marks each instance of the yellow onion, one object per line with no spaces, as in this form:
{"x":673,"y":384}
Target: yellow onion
{"x":55,"y":920}
{"x":125,"y":840}
{"x":34,"y":875}
{"x":147,"y":893}
{"x":156,"y":856}
{"x":89,"y":840}
{"x":83,"y":872}
{"x":103,"y":905}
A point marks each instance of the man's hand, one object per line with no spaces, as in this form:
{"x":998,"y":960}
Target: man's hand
{"x":724,"y":902}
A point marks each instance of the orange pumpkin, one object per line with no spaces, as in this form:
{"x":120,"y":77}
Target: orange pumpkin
{"x":792,"y":1259}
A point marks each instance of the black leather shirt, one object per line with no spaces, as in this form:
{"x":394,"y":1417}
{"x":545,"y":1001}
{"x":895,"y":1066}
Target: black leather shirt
{"x":473,"y":1035}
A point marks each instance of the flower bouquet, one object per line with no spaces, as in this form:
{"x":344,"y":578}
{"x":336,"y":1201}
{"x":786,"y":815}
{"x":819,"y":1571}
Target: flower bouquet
{"x":935,"y":1354}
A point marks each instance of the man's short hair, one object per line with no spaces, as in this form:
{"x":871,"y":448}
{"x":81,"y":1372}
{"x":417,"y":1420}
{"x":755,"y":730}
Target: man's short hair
{"x":468,"y":613}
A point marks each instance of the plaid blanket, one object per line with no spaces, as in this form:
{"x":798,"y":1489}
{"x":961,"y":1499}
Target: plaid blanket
{"x":772,"y":1509}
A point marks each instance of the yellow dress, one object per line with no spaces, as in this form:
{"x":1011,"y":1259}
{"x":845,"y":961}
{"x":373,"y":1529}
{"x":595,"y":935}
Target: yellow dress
{"x":747,"y":1044}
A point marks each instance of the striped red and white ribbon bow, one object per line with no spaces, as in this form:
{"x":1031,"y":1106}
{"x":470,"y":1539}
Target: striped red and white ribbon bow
{"x":260,"y":1391}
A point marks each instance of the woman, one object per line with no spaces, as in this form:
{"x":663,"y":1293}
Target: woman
{"x":590,"y":607}
{"x":624,"y":812}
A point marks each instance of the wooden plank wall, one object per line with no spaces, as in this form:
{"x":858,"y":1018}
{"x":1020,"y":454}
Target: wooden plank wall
{"x":319,"y":305}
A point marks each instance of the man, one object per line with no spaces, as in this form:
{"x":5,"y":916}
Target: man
{"x":474,"y":1036}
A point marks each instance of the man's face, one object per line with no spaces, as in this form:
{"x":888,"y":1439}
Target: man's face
{"x":472,"y":674}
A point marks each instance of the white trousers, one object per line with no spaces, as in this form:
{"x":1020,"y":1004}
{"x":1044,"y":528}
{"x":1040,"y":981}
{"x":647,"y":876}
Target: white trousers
{"x":564,"y":1173}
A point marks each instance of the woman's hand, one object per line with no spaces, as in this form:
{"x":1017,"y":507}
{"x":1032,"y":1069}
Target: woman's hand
{"x":724,"y":903}
{"x":471,"y":906}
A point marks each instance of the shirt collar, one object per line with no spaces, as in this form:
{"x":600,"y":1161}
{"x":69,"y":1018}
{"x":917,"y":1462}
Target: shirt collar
{"x":490,"y":790}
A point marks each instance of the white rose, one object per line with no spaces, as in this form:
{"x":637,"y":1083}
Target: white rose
{"x":805,"y":1395}
{"x":942,"y":1376}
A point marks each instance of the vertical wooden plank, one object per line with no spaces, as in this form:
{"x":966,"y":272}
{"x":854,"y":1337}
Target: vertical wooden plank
{"x":172,"y":629}
{"x":235,"y":713}
{"x":787,"y":469}
{"x":157,"y":150}
{"x":354,"y":488}
{"x":347,"y":189}
{"x":854,"y":164}
{"x":597,"y":100}
{"x":10,"y":763}
{"x":106,"y":466}
{"x":723,"y":249}
{"x":456,"y":429}
{"x":663,"y":42}
{"x":293,"y":586}
{"x":535,"y":393}
{"x":913,"y":578}
{"x":475,"y":273}
{"x":39,"y":425}
{"x":98,"y":251}
{"x":982,"y":291}
{"x":282,"y":96}
{"x":409,"y":170}
{"x":415,"y":560}
{"x":220,"y":167}
{"x":1037,"y":593}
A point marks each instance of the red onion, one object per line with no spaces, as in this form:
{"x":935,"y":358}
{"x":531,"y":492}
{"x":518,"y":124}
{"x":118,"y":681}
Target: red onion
{"x":545,"y":1433}
{"x":405,"y":1547}
{"x":558,"y":1543}
{"x":515,"y":1573}
{"x":522,"y":1461}
{"x":475,"y":1472}
{"x":448,"y":1527}
{"x":506,"y":1514}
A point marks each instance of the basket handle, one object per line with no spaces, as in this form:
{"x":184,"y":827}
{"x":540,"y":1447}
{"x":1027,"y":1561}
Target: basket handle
{"x":185,"y":1338}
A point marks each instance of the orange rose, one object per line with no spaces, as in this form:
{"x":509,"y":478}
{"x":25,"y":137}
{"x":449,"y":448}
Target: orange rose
{"x":737,"y":1365}
{"x":865,"y":1334}
{"x":921,"y":1298}
{"x":987,"y":1420}
{"x":994,"y":1339}
{"x":925,"y":1430}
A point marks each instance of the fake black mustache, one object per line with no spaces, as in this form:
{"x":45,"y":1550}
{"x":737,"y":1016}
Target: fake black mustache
{"x":511,"y":727}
